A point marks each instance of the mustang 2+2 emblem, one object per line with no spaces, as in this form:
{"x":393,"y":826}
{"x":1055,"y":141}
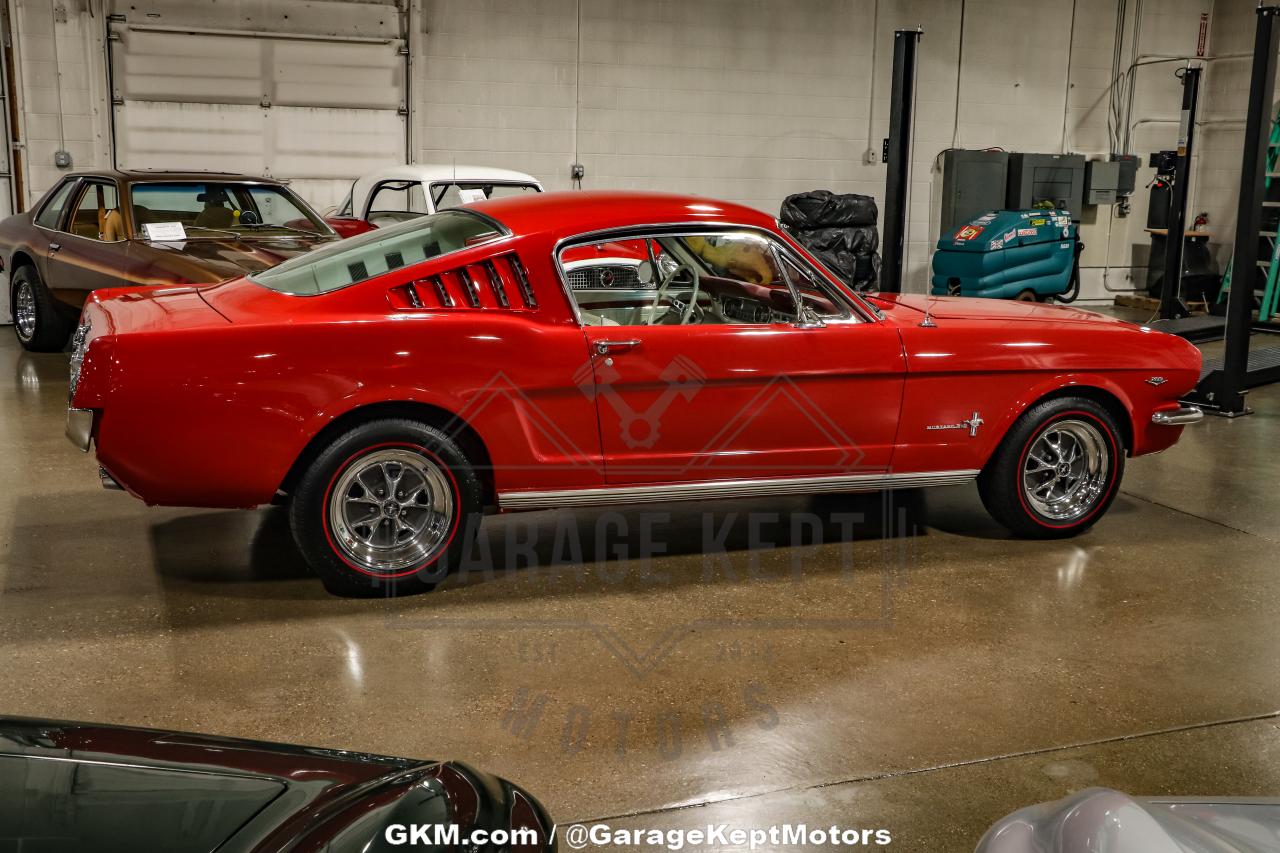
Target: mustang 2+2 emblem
{"x":971,"y":424}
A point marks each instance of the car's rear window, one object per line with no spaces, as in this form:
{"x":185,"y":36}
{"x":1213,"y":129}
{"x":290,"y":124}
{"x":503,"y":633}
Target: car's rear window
{"x":355,"y":259}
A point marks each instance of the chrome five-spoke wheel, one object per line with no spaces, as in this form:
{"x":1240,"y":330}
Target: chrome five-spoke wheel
{"x":1066,"y":470}
{"x":391,"y":511}
{"x":24,"y":310}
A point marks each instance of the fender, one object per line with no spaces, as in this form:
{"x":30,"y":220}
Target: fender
{"x":1054,"y":384}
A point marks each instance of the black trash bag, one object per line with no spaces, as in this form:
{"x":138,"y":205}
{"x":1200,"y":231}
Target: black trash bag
{"x":861,"y":272}
{"x":859,"y":240}
{"x":825,"y":209}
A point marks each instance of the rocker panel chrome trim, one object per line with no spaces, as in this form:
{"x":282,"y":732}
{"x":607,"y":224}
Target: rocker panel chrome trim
{"x":714,"y":490}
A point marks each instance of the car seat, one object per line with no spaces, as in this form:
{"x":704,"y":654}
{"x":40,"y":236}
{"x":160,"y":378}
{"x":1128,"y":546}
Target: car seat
{"x":215,"y":213}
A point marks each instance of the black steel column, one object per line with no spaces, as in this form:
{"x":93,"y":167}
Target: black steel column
{"x":1228,"y":396}
{"x":897,"y":156}
{"x":1171,"y":304}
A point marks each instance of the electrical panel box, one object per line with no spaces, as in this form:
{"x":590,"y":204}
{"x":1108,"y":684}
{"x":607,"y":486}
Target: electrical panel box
{"x":1128,"y":164}
{"x":973,"y":182}
{"x":1101,"y":182}
{"x":1055,"y":178}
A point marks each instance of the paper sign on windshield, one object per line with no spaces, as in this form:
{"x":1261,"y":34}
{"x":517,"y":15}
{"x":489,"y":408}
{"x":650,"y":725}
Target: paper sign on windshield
{"x":469,"y":196}
{"x":165,"y":232}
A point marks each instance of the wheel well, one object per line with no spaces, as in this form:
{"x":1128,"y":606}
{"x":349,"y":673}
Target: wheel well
{"x":1103,"y":398}
{"x":19,"y":259}
{"x":461,"y":431}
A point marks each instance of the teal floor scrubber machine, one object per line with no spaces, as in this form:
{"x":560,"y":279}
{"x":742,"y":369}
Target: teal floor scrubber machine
{"x":1032,"y":255}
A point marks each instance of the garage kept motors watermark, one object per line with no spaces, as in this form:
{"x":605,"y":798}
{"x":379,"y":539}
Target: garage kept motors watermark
{"x":719,"y":836}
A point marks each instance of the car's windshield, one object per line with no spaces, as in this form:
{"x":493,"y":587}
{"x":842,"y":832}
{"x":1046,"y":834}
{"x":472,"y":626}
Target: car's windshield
{"x":357,"y":258}
{"x":214,"y":208}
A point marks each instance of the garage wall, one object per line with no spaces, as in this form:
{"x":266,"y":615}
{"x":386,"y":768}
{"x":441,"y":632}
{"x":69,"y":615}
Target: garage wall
{"x":745,"y":100}
{"x":61,"y":87}
{"x":754,"y":100}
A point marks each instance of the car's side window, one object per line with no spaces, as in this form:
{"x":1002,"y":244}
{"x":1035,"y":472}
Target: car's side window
{"x":51,"y":213}
{"x":97,"y":213}
{"x":706,"y":278}
{"x":396,"y":201}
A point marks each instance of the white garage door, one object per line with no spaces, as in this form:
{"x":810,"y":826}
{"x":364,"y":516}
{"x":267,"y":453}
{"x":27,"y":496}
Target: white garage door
{"x":314,"y":110}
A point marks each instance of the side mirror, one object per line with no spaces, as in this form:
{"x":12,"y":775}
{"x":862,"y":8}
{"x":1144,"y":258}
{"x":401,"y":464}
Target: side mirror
{"x":645,"y":272}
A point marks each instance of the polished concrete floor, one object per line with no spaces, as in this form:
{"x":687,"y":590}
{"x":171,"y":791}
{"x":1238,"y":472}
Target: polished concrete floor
{"x":919,"y":671}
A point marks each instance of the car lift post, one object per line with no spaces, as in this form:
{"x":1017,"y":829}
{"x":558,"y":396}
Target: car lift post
{"x":1172,"y":306}
{"x":1228,"y":396}
{"x":897,"y":156}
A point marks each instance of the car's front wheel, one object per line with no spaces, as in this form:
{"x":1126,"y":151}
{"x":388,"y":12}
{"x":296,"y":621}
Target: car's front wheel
{"x":1057,"y":470}
{"x":36,"y":319}
{"x":386,"y":508}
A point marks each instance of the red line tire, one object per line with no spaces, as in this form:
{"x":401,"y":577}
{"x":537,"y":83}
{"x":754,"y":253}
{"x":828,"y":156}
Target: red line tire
{"x":386,"y":509}
{"x":1057,"y":470}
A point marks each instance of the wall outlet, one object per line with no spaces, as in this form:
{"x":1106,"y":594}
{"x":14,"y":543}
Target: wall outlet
{"x":62,"y":159}
{"x":871,"y":157}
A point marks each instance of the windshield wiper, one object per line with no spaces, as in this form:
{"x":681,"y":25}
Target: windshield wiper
{"x":304,"y":232}
{"x":233,"y":235}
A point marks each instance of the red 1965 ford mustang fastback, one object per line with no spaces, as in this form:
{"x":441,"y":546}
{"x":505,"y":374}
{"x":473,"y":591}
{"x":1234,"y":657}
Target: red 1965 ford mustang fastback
{"x":611,"y":348}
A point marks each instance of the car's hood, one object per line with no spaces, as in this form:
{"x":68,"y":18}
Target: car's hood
{"x":962,"y":308}
{"x":1099,"y":819}
{"x":231,"y":258}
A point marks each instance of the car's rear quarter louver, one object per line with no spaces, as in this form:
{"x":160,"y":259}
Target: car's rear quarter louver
{"x":500,"y":282}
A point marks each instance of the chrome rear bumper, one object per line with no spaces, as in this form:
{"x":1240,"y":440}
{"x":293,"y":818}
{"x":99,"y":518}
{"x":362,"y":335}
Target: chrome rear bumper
{"x":1178,"y":417}
{"x":80,"y":428}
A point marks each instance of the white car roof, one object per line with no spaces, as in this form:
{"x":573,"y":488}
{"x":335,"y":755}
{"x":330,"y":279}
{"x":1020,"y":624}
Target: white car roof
{"x":435,"y":172}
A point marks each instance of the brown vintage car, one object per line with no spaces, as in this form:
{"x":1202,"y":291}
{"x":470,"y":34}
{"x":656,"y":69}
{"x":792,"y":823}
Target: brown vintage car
{"x":112,"y":229}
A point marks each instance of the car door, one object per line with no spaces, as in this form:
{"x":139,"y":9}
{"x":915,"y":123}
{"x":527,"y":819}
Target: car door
{"x":48,"y":224}
{"x":89,"y":251}
{"x":729,"y":379}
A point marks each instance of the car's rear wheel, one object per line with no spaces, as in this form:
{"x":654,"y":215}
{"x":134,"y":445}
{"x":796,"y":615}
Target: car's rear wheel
{"x":386,"y":509}
{"x":39,"y":325}
{"x":1057,"y":471}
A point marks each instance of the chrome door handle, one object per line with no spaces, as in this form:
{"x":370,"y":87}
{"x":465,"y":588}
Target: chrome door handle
{"x":606,"y":347}
{"x":54,"y":247}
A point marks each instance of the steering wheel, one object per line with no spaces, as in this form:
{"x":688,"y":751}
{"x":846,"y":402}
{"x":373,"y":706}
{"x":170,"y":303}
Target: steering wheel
{"x":679,"y":308}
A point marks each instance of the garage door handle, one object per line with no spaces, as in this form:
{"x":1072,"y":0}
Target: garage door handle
{"x":53,"y":247}
{"x":606,"y":347}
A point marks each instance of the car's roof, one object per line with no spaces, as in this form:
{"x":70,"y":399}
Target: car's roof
{"x":576,"y":211}
{"x":429,"y":172}
{"x":143,"y":175}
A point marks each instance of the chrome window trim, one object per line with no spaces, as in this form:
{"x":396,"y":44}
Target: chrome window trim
{"x":721,"y":489}
{"x":858,"y":313}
